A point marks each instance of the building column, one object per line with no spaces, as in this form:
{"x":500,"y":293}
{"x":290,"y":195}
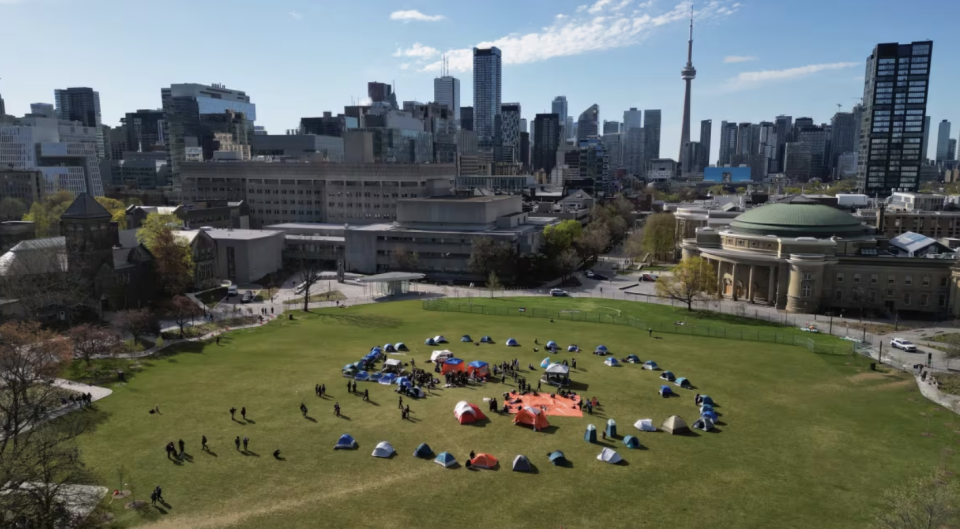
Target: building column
{"x":733,"y":289}
{"x":719,"y":279}
{"x":771,"y":287}
{"x":751,"y":291}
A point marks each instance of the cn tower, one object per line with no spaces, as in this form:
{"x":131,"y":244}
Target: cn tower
{"x":688,"y":74}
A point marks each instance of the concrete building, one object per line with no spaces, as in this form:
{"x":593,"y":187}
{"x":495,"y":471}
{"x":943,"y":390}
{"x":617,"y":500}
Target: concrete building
{"x":303,"y":147}
{"x":82,"y":105}
{"x":843,"y":137}
{"x":137,"y":170}
{"x":510,"y":132}
{"x":662,"y":169}
{"x":907,"y":201}
{"x":25,"y":185}
{"x":244,"y":256}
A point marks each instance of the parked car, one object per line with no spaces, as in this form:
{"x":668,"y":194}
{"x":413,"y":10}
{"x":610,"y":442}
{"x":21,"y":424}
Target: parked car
{"x":557,"y":293}
{"x":247,"y":297}
{"x":906,"y":345}
{"x":593,"y":275}
{"x":232,"y":290}
{"x":648,"y":277}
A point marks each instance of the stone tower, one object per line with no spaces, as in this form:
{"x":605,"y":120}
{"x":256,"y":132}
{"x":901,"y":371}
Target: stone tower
{"x":90,"y":235}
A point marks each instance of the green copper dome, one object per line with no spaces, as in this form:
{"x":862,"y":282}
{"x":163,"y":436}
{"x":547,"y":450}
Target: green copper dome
{"x":798,"y":220}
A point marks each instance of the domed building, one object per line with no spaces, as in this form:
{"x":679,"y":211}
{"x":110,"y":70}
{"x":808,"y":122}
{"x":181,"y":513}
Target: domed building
{"x":805,"y":257}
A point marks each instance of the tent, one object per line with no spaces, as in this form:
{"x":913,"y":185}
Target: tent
{"x":611,"y":428}
{"x":590,"y":435}
{"x":710,"y":414}
{"x":675,"y":425}
{"x":362,"y":376}
{"x":703,"y":423}
{"x":439,"y":339}
{"x":467,"y":413}
{"x":383,"y":449}
{"x":706,"y":407}
{"x":512,"y":343}
{"x":388,"y":379}
{"x":572,"y":348}
{"x":430,"y":341}
{"x":705,"y":399}
{"x":404,"y":381}
{"x":521,"y":464}
{"x":479,"y":367}
{"x":415,"y":392}
{"x":486,"y":339}
{"x":557,"y":458}
{"x":608,"y":455}
{"x":440,"y":356}
{"x":633,"y":359}
{"x":556,"y":374}
{"x":684,"y":383}
{"x":389,"y":348}
{"x":453,"y":364}
{"x":466,"y":338}
{"x":349,"y":370}
{"x":551,"y":345}
{"x":392,"y":365}
{"x":376,"y":350}
{"x":484,"y":461}
{"x":665,"y":391}
{"x":668,"y":376}
{"x":400,"y":346}
{"x":532,"y":417}
{"x":346,"y":442}
{"x":445,"y":459}
{"x":645,"y":425}
{"x":631,"y":442}
{"x":601,"y":350}
{"x":612,"y":362}
{"x":651,"y":365}
{"x":375,"y":377}
{"x":545,"y":363}
{"x":423,"y":451}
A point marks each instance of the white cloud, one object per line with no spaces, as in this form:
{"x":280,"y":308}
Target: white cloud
{"x":405,"y":65}
{"x":747,"y":80}
{"x":417,"y":50}
{"x":293,"y":14}
{"x":731,"y":59}
{"x":595,"y":27}
{"x":414,"y":15}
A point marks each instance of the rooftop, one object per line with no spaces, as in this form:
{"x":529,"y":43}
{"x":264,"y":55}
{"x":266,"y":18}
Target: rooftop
{"x":798,"y":220}
{"x":242,"y":235}
{"x":457,"y":199}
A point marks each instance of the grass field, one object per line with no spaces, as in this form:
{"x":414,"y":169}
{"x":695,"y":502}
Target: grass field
{"x":806,"y":440}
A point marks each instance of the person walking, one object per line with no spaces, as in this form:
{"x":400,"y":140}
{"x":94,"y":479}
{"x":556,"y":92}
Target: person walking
{"x":366,"y":395}
{"x":218,"y":339}
{"x":323,"y":390}
{"x":233,"y":411}
{"x":303,"y":409}
{"x":316,"y":390}
{"x":245,"y":441}
{"x":276,"y":453}
{"x":354,"y":387}
{"x":153,"y":498}
{"x":348,"y":386}
{"x":400,"y":404}
{"x":336,"y":409}
{"x":203,"y":444}
{"x":650,"y":332}
{"x":243,"y":412}
{"x":159,"y":492}
{"x":237,"y":442}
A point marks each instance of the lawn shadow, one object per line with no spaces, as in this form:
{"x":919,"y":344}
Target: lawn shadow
{"x":342,"y":416}
{"x":210,"y":452}
{"x":160,"y":509}
{"x":533,"y":469}
{"x":622,"y":463}
{"x":238,"y":422}
{"x":176,"y":462}
{"x":714,"y":430}
{"x":309,"y":418}
{"x":566,"y":463}
{"x":251,"y":421}
{"x":280,"y":458}
{"x":250,"y":453}
{"x":552,"y":429}
{"x":604,"y":443}
{"x":373,"y":402}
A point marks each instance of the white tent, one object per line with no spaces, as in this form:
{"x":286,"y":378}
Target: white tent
{"x":383,"y":449}
{"x":645,"y":425}
{"x":559,"y":369}
{"x":609,"y":456}
{"x":441,"y":355}
{"x":392,"y":365}
{"x":463,"y":408}
{"x":439,"y":338}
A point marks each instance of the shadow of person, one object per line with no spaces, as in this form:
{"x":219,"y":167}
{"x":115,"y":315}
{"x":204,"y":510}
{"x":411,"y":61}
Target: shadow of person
{"x":309,"y":418}
{"x":211,"y":452}
{"x":251,"y":421}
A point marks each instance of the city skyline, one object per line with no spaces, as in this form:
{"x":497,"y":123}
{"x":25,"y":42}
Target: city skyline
{"x":737,"y":82}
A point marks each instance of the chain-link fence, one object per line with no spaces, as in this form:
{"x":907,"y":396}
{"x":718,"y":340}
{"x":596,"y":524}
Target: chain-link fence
{"x":591,"y":316}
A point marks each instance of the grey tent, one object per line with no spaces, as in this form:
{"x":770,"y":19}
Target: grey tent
{"x":521,"y":464}
{"x":675,"y":425}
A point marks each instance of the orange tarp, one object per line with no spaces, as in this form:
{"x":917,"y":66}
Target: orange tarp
{"x":562,"y":406}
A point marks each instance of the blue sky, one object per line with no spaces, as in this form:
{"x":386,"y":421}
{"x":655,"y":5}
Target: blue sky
{"x":755,"y":58}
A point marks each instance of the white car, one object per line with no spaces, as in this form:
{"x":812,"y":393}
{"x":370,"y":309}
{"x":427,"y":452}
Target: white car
{"x":556,"y":292}
{"x":906,"y":345}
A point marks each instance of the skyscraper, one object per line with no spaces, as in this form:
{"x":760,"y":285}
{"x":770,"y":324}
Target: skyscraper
{"x":486,"y":93}
{"x":589,"y":123}
{"x":43,"y":110}
{"x":446,"y":91}
{"x":784,"y":125}
{"x":632,"y":119}
{"x":728,"y":143}
{"x":145,"y":130}
{"x":943,"y":141}
{"x":510,"y":132}
{"x":559,"y":107}
{"x":569,"y":129}
{"x":651,"y":135}
{"x":466,"y":118}
{"x":843,"y":136}
{"x":952,"y":150}
{"x":546,"y":140}
{"x":3,"y":106}
{"x":688,"y":74}
{"x":925,"y":145}
{"x":894,"y":107}
{"x":381,"y":93}
{"x":83,"y":105}
{"x":706,"y":130}
{"x":611,"y":127}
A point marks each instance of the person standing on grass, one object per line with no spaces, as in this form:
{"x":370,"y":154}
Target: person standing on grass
{"x":354,"y":387}
{"x":159,"y":492}
{"x":233,"y":411}
{"x":303,"y":408}
{"x":237,"y":442}
{"x":243,"y":412}
{"x":182,"y":444}
{"x":366,"y":395}
{"x":323,"y":390}
{"x":348,"y":386}
{"x":203,"y":444}
{"x":245,"y":441}
{"x":400,"y":404}
{"x":153,"y":498}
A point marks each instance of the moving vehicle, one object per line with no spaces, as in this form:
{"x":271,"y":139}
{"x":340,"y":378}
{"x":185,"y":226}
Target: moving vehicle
{"x":232,"y":290}
{"x":557,"y":293}
{"x":648,"y":277}
{"x":906,"y":345}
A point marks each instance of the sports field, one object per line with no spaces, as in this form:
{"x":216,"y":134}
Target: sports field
{"x":805,"y":440}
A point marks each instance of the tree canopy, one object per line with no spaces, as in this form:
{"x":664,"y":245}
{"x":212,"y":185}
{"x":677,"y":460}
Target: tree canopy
{"x":659,"y":234}
{"x":692,"y":279}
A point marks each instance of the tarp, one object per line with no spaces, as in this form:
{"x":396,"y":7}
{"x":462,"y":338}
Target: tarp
{"x":521,"y":464}
{"x":705,"y":399}
{"x":453,"y":364}
{"x":665,"y":391}
{"x":392,"y":365}
{"x":483,"y":461}
{"x":345,"y":442}
{"x":512,"y":343}
{"x":551,"y":344}
{"x":466,"y":338}
{"x":479,"y":367}
{"x":441,"y":355}
{"x":611,"y":428}
{"x":633,"y":359}
{"x":710,"y":414}
{"x":445,"y":459}
{"x":703,"y":423}
{"x":668,"y":375}
{"x":486,"y":339}
{"x":375,"y":351}
{"x":383,"y":449}
{"x":612,"y":362}
{"x":400,"y":346}
{"x":362,"y":376}
{"x":572,"y":348}
{"x":532,"y":417}
{"x":423,"y":451}
{"x":590,"y":435}
{"x":675,"y":425}
{"x":631,"y":442}
{"x":645,"y":425}
{"x":608,"y":455}
{"x":557,"y":457}
{"x":683,"y":382}
{"x":375,"y":377}
{"x":439,"y":339}
{"x":388,"y":379}
{"x":467,"y":413}
{"x":651,"y":365}
{"x":545,"y":363}
{"x":430,"y":341}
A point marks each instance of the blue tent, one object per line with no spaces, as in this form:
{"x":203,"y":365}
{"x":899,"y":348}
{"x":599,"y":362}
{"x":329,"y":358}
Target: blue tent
{"x":709,"y":413}
{"x":546,"y":363}
{"x":668,"y":375}
{"x":376,"y":350}
{"x":423,"y":451}
{"x":375,"y":377}
{"x":612,"y":362}
{"x":512,"y":343}
{"x":683,"y":383}
{"x":481,"y":368}
{"x":521,"y":464}
{"x":590,"y":435}
{"x":430,"y":341}
{"x":486,"y":339}
{"x":362,"y":376}
{"x":611,"y":428}
{"x":404,"y":381}
{"x":651,"y":365}
{"x":551,"y":344}
{"x":601,"y":349}
{"x":572,"y":348}
{"x":631,"y":442}
{"x":705,"y":399}
{"x":633,"y":359}
{"x":466,"y":338}
{"x":706,"y":407}
{"x":389,"y":348}
{"x":557,"y":458}
{"x":388,"y":378}
{"x":445,"y":459}
{"x":400,"y":346}
{"x":665,"y":391}
{"x":346,"y":442}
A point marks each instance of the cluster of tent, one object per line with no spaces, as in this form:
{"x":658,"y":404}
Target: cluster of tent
{"x":682,"y":381}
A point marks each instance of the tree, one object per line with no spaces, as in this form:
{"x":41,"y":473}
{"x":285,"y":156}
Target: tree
{"x":561,"y":236}
{"x":403,"y":259}
{"x":489,"y":255}
{"x":40,"y":280}
{"x":173,"y":258}
{"x":567,"y":262}
{"x":308,"y":273}
{"x":658,"y":236}
{"x":137,"y":322}
{"x":493,"y":282}
{"x":154,"y":225}
{"x":717,"y":190}
{"x":118,"y":211}
{"x":183,"y":309}
{"x":90,"y":340}
{"x":633,"y":246}
{"x":594,"y":241}
{"x":689,"y":281}
{"x":930,"y":502}
{"x":45,"y":214}
{"x":12,"y":208}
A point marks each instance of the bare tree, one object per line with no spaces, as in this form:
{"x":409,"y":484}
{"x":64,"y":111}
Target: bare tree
{"x":183,"y":309}
{"x":39,"y":278}
{"x":137,"y":322}
{"x":308,"y":273}
{"x":403,"y":259}
{"x":594,"y":241}
{"x":929,"y":502}
{"x":567,"y":262}
{"x":90,"y":340}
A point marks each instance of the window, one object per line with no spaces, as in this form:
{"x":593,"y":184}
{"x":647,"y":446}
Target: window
{"x":924,"y":299}
{"x":872,"y":296}
{"x":874,"y":278}
{"x":906,"y":298}
{"x":856,"y":279}
{"x":891,"y":280}
{"x":805,"y":291}
{"x":943,"y":281}
{"x":942,"y":300}
{"x":908,"y":280}
{"x":889,"y":293}
{"x":838,"y":295}
{"x":926,"y":281}
{"x":839,"y":279}
{"x":807,"y":276}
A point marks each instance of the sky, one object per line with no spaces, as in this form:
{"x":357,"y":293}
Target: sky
{"x":755,"y":59}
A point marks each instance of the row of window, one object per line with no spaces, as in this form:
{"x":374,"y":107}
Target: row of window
{"x":924,"y":297}
{"x":891,"y":279}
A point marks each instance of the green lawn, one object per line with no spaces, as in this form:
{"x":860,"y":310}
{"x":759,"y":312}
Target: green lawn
{"x":806,"y":440}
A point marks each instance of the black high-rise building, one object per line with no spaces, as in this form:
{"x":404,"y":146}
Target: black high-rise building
{"x":525,"y":149}
{"x":706,"y":131}
{"x":326,"y":125}
{"x":145,"y":130}
{"x":83,"y":105}
{"x":466,"y":118}
{"x":546,"y":140}
{"x":894,"y":112}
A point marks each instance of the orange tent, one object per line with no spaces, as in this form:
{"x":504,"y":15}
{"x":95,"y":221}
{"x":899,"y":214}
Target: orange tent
{"x":483,"y":461}
{"x":532,"y":417}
